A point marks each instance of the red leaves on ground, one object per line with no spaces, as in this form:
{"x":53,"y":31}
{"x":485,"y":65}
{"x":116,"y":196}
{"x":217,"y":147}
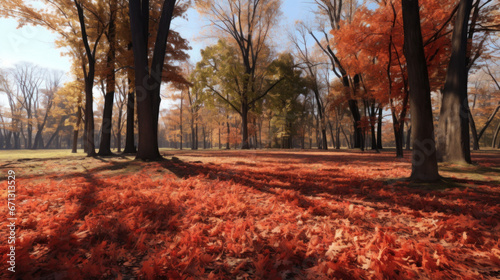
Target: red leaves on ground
{"x":247,"y":215}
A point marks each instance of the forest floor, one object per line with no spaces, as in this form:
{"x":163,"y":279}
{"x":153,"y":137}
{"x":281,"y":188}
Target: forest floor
{"x":267,"y":214}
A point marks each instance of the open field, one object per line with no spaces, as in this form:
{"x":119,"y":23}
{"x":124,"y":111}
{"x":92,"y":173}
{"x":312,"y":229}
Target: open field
{"x":269,"y":214}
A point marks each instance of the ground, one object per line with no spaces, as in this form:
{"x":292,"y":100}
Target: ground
{"x":250,"y":215}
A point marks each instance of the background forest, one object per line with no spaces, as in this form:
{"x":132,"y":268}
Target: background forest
{"x":337,"y":81}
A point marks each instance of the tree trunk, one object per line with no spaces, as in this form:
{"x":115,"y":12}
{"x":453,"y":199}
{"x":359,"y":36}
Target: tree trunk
{"x":56,"y":133}
{"x":89,"y":116}
{"x":244,"y":126}
{"x":220,"y":144}
{"x":408,"y":137}
{"x":331,"y":133}
{"x":358,"y":133}
{"x":129,"y":133}
{"x":228,"y":145}
{"x":424,"y":162}
{"x":379,"y":129}
{"x":398,"y":136}
{"x":89,"y":83}
{"x":180,"y":126}
{"x":76,"y":129}
{"x":148,"y":79}
{"x":490,"y":119}
{"x":372,"y":125}
{"x":473,"y":129}
{"x":107,"y":118}
{"x":453,"y":134}
{"x":84,"y":137}
{"x":495,"y":136}
{"x":196,"y":139}
{"x":204,"y":137}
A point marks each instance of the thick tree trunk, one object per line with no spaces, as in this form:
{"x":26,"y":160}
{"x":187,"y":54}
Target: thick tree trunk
{"x":424,"y":162}
{"x":453,"y":134}
{"x":324,"y":141}
{"x":148,"y":79}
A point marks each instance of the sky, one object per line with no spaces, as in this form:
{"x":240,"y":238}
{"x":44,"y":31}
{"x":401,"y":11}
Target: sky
{"x":36,"y":44}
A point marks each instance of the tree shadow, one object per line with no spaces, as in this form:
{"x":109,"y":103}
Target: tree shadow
{"x":448,"y":196}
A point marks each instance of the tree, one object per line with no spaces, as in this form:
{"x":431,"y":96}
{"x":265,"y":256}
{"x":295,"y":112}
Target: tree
{"x":28,"y":79}
{"x":52,"y":85}
{"x":15,"y":105}
{"x":311,"y":65}
{"x":335,"y":11}
{"x":106,"y":127}
{"x":221,"y":73}
{"x":424,"y":161}
{"x":148,"y":77}
{"x":89,"y":75}
{"x":453,"y":133}
{"x":286,"y":100}
{"x":248,"y":23}
{"x":176,"y":47}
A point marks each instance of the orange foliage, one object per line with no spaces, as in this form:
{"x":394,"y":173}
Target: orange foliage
{"x":374,"y":39}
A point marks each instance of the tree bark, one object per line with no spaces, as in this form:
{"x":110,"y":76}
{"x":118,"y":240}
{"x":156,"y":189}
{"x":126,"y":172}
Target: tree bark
{"x":129,"y":133}
{"x":453,"y":134}
{"x":331,"y":133}
{"x":358,"y":133}
{"x":180,"y":126}
{"x":107,"y":118}
{"x":398,"y":136}
{"x":89,"y":82}
{"x":424,"y":162}
{"x":379,"y":129}
{"x":76,"y":129}
{"x":148,"y":79}
{"x":495,"y":136}
{"x":228,"y":143}
{"x":244,"y":126}
{"x":475,"y":145}
{"x":408,"y":138}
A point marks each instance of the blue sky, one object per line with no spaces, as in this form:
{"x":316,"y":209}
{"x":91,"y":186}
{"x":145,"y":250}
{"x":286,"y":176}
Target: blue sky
{"x":36,"y":44}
